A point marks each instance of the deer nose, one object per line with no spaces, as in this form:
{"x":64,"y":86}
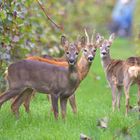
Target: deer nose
{"x":71,"y":60}
{"x":104,"y":53}
{"x":90,"y":58}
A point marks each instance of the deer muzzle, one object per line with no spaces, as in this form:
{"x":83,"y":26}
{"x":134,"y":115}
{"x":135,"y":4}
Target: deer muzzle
{"x":71,"y":61}
{"x":90,"y":58}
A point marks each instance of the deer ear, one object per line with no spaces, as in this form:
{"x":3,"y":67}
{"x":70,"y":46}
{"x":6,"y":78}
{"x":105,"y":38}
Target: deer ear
{"x":99,"y":39}
{"x":83,"y":41}
{"x":64,"y":41}
{"x":112,"y":37}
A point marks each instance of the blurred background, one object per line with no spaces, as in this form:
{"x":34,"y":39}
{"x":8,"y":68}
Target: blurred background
{"x":25,"y":29}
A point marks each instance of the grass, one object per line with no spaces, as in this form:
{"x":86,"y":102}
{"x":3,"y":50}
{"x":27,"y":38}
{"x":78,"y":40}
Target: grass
{"x":93,"y":101}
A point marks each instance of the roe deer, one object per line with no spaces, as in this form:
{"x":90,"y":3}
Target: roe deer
{"x":113,"y":70}
{"x":131,"y":76}
{"x":120,"y":73}
{"x":46,"y":78}
{"x":89,"y":51}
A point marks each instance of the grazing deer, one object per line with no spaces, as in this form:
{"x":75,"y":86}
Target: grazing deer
{"x":89,"y":51}
{"x":113,"y":70}
{"x":46,"y":78}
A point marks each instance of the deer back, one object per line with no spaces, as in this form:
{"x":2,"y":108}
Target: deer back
{"x":114,"y":71}
{"x":30,"y":73}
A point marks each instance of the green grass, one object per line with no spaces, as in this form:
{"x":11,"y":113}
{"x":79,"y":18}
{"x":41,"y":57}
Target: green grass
{"x":93,"y":101}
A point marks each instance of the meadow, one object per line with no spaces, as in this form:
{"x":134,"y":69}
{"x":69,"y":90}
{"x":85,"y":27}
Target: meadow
{"x":93,"y":102}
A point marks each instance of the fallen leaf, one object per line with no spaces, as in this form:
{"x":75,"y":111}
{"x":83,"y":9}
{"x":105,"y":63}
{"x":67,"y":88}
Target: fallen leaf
{"x":84,"y":137}
{"x":103,"y":123}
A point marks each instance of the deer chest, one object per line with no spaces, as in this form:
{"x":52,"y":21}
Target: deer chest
{"x":74,"y":76}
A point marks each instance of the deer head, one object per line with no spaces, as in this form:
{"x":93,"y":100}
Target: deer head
{"x":71,"y":50}
{"x":105,"y":46}
{"x":89,"y":46}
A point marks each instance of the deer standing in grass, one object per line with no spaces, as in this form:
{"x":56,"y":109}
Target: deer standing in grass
{"x":46,"y":78}
{"x":120,"y":73}
{"x":89,"y":51}
{"x":113,"y":70}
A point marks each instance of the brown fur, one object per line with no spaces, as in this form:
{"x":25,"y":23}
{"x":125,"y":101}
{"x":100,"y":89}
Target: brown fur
{"x":50,"y":61}
{"x":133,"y":61}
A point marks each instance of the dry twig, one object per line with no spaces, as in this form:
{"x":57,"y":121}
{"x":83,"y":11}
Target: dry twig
{"x":41,"y":6}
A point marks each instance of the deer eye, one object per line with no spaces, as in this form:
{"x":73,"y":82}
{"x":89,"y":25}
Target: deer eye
{"x":94,"y":50}
{"x":76,"y":53}
{"x":67,"y":52}
{"x":85,"y":50}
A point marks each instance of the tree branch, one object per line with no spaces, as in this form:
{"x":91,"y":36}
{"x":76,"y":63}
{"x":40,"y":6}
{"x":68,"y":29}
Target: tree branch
{"x":41,"y":6}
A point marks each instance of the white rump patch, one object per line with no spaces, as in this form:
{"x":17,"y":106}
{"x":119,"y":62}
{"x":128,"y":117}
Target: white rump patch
{"x":134,"y":71}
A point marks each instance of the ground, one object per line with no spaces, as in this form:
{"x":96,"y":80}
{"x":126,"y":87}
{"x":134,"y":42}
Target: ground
{"x":93,"y":101}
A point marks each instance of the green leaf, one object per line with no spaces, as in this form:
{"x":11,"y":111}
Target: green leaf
{"x":3,"y":14}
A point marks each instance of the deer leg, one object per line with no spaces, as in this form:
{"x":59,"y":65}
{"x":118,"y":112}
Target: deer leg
{"x":138,"y":94}
{"x":9,"y":94}
{"x":51,"y":108}
{"x":17,"y":103}
{"x":19,"y":100}
{"x":72,"y":101}
{"x":113,"y":88}
{"x":119,"y":97}
{"x":63,"y":104}
{"x":48,"y":97}
{"x":127,"y":84}
{"x":29,"y":93}
{"x":54,"y":101}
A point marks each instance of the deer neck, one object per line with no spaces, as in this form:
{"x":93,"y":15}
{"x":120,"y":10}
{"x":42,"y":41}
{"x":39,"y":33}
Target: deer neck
{"x":73,"y":73}
{"x":106,"y":61}
{"x":83,"y":67}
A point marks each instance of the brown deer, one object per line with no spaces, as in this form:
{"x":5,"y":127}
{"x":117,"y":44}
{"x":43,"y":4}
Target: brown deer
{"x":89,"y":51}
{"x":27,"y":94}
{"x":113,"y":70}
{"x":46,"y":78}
{"x":131,"y":76}
{"x":120,"y":73}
